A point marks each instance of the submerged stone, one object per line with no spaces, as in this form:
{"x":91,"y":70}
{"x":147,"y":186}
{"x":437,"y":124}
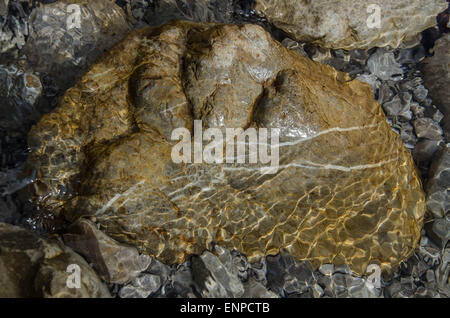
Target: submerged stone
{"x":437,"y":78}
{"x":31,"y":266}
{"x":353,"y":24}
{"x":345,"y":190}
{"x":67,"y":36}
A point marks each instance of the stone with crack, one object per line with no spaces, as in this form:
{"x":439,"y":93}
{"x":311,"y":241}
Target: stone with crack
{"x":345,"y":189}
{"x":353,"y":24}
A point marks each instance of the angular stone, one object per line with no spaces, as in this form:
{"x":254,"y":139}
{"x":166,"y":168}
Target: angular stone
{"x":254,"y":289}
{"x":407,"y":135}
{"x":443,"y":274}
{"x":398,"y":108}
{"x":159,"y":269}
{"x":437,"y":78}
{"x":66,"y":36}
{"x":215,"y":279}
{"x":181,"y":283}
{"x":426,"y":149}
{"x":438,"y":197}
{"x":13,"y":27}
{"x":327,"y":269}
{"x":383,"y":65}
{"x":130,"y":291}
{"x":141,"y":287}
{"x":427,"y":128}
{"x":106,"y":151}
{"x":114,"y":262}
{"x":439,"y":231}
{"x":20,"y":89}
{"x":346,"y":24}
{"x":34,"y":267}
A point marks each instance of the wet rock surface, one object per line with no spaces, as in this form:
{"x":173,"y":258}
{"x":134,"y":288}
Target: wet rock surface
{"x":348,"y":24}
{"x":438,"y":200}
{"x":328,"y":164}
{"x":20,"y":90}
{"x":424,"y":274}
{"x":66,"y":37}
{"x":34,"y":267}
{"x":437,"y":78}
{"x":114,"y":262}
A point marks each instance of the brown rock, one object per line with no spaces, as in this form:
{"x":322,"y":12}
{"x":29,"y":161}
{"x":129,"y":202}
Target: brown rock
{"x":34,"y":267}
{"x":114,"y":262}
{"x":346,"y":190}
{"x":437,"y":79}
{"x":343,"y":24}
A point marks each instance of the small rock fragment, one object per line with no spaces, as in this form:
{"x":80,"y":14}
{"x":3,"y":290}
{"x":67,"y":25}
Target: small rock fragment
{"x":254,"y":289}
{"x":20,"y":89}
{"x":383,"y":65}
{"x":427,"y":128}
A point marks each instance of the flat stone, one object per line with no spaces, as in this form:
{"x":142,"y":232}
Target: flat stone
{"x":346,"y":24}
{"x":439,"y":231}
{"x":383,"y":65}
{"x":113,"y":261}
{"x":427,"y":128}
{"x":130,"y":291}
{"x":398,"y":108}
{"x":327,"y":269}
{"x":148,"y":282}
{"x":31,"y":266}
{"x":254,"y":289}
{"x":338,"y":176}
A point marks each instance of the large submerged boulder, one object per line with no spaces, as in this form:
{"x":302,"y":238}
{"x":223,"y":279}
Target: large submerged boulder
{"x":345,"y":190}
{"x":352,"y":24}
